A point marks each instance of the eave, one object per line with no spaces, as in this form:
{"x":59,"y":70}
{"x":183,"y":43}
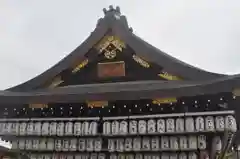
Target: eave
{"x":122,"y":91}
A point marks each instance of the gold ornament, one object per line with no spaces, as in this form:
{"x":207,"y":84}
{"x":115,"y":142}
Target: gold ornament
{"x":168,"y":76}
{"x":109,"y":45}
{"x":110,"y":54}
{"x":141,"y":61}
{"x":56,"y":81}
{"x":80,"y":66}
{"x":164,"y":100}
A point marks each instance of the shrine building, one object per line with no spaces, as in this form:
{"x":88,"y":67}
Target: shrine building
{"x":118,"y":97}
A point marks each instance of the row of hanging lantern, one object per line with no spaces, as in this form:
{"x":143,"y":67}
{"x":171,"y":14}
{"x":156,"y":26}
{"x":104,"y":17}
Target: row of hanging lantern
{"x":158,"y":144}
{"x":170,"y":125}
{"x":68,"y":156}
{"x":182,"y":155}
{"x":49,"y":128}
{"x":116,"y":127}
{"x":72,"y":144}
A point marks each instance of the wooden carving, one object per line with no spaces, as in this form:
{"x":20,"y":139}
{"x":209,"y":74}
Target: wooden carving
{"x":110,"y":45}
{"x":38,"y":105}
{"x":168,"y":76}
{"x":111,"y":69}
{"x":164,"y":100}
{"x":80,"y":66}
{"x":97,"y":103}
{"x":142,"y":62}
{"x":56,"y":81}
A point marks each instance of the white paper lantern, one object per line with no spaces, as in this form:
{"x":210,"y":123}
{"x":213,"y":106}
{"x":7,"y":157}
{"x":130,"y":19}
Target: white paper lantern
{"x":121,"y":156}
{"x":151,"y":126}
{"x":30,"y":128}
{"x":170,"y":125}
{"x":161,"y":126}
{"x":77,"y":128}
{"x":217,"y":143}
{"x":120,"y":145}
{"x":146,"y":145}
{"x":14,"y":144}
{"x":35,"y":144}
{"x":93,"y":128}
{"x":142,"y":127}
{"x":138,"y":156}
{"x":28,"y":144}
{"x":58,"y":145}
{"x":182,"y":155}
{"x":137,"y":144}
{"x":21,"y":144}
{"x":69,"y":128}
{"x":60,"y":129}
{"x":81,"y":145}
{"x":173,"y":156}
{"x":128,"y":145}
{"x":129,"y":156}
{"x":230,"y":123}
{"x":90,"y":144}
{"x":62,"y":156}
{"x":192,"y":142}
{"x":199,"y":124}
{"x":165,"y":156}
{"x":147,"y":156}
{"x":15,"y":129}
{"x":46,"y":156}
{"x":101,"y":156}
{"x":73,"y":145}
{"x":45,"y":129}
{"x":93,"y":156}
{"x":202,"y":142}
{"x":40,"y":156}
{"x":189,"y":124}
{"x":179,"y":125}
{"x":22,"y":128}
{"x":113,"y":156}
{"x":115,"y":127}
{"x":98,"y":144}
{"x":43,"y":144}
{"x":50,"y":144}
{"x":220,"y":123}
{"x":37,"y":128}
{"x":111,"y":145}
{"x":85,"y":128}
{"x":192,"y":155}
{"x":174,"y":143}
{"x":123,"y":129}
{"x":1,"y":128}
{"x":155,"y":144}
{"x":53,"y":128}
{"x":33,"y":156}
{"x":183,"y":142}
{"x":155,"y":156}
{"x":107,"y":128}
{"x":133,"y":127}
{"x":65,"y":145}
{"x":165,"y":143}
{"x":9,"y":128}
{"x":209,"y":123}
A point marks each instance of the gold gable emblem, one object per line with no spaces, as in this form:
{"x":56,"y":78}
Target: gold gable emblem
{"x":110,"y":45}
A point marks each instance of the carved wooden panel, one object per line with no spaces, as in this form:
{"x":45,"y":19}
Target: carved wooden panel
{"x":111,"y":69}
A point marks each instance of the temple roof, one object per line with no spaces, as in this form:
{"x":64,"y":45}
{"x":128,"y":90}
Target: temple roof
{"x":116,"y":22}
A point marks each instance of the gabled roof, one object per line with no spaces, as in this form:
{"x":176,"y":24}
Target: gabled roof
{"x":117,"y":23}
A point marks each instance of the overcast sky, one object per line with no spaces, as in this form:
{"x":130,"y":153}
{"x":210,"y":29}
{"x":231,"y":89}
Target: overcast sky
{"x":36,"y":34}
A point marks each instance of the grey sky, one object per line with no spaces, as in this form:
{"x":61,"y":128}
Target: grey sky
{"x":35,"y":34}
